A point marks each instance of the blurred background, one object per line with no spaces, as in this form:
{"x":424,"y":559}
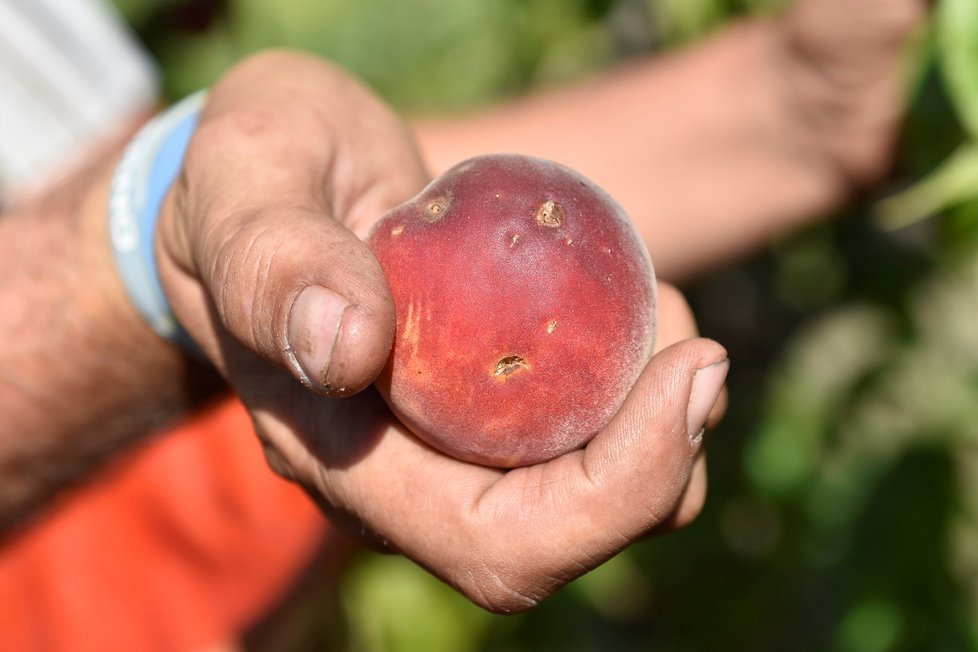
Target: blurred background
{"x":843,"y":512}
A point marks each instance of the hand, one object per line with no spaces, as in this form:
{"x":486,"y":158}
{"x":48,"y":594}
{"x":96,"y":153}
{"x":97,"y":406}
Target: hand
{"x":508,"y":539}
{"x":282,"y":176}
{"x":843,"y":63}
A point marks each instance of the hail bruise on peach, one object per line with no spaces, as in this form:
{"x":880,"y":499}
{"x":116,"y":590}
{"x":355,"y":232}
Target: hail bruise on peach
{"x":525,"y":307}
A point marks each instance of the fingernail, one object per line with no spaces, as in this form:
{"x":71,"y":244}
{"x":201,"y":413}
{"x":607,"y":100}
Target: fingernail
{"x":314,"y":327}
{"x":707,"y":384}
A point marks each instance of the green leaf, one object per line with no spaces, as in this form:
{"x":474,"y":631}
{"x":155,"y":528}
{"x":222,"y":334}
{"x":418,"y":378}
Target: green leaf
{"x":955,"y":180}
{"x":394,"y":606}
{"x":682,"y":20}
{"x":957,"y":27}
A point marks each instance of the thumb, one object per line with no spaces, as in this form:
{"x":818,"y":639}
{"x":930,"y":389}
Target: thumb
{"x":340,"y":326}
{"x":298,"y":289}
{"x":646,"y":454}
{"x":280,"y":167}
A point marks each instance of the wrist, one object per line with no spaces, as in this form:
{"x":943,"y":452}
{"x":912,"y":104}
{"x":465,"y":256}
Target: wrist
{"x":84,"y":375}
{"x":142,"y":179}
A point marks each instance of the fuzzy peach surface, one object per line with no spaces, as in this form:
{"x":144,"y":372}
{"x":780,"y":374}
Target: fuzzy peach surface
{"x":525,"y":310}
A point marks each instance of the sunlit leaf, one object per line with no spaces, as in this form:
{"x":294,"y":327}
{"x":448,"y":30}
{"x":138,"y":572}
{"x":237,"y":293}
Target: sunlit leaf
{"x":957,"y":24}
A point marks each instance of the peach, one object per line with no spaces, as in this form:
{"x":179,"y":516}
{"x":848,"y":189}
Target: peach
{"x":525,"y":304}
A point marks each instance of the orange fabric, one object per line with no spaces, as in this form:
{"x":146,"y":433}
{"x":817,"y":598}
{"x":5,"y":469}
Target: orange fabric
{"x":179,"y":546}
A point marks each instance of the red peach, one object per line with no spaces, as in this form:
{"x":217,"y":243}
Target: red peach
{"x":525,"y":305}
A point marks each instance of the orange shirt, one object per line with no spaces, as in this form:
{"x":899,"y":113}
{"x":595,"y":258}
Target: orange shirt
{"x":178,"y":546}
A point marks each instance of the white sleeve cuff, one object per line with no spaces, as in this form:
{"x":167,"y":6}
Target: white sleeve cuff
{"x":70,"y":73}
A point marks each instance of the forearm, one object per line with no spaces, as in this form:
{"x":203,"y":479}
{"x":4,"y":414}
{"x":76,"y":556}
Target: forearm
{"x":712,"y":150}
{"x":80,"y":373}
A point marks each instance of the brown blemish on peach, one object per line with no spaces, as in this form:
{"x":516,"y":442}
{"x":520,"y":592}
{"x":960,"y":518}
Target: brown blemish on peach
{"x":550,"y":214}
{"x":397,"y":230}
{"x":551,"y":325}
{"x":514,"y":239}
{"x":510,"y":364}
{"x":436,"y":209}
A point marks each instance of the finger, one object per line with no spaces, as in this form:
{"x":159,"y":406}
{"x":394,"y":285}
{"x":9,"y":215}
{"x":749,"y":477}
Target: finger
{"x":676,"y":321}
{"x":629,"y":480}
{"x":692,"y":501}
{"x":719,"y":409}
{"x":679,"y":325}
{"x":670,"y":404}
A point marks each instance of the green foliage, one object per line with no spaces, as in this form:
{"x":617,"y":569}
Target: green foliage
{"x":139,"y":12}
{"x":679,"y":21}
{"x":394,"y":605}
{"x":957,"y":43}
{"x":955,"y":179}
{"x":844,"y":482}
{"x":420,"y":55}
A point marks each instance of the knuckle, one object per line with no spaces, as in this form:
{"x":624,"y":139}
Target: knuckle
{"x":271,"y":59}
{"x":276,"y":462}
{"x":507,"y":587}
{"x":499,"y":593}
{"x":241,"y":277}
{"x":226,"y":137}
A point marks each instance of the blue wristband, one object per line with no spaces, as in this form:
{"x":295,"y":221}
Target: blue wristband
{"x":145,"y":173}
